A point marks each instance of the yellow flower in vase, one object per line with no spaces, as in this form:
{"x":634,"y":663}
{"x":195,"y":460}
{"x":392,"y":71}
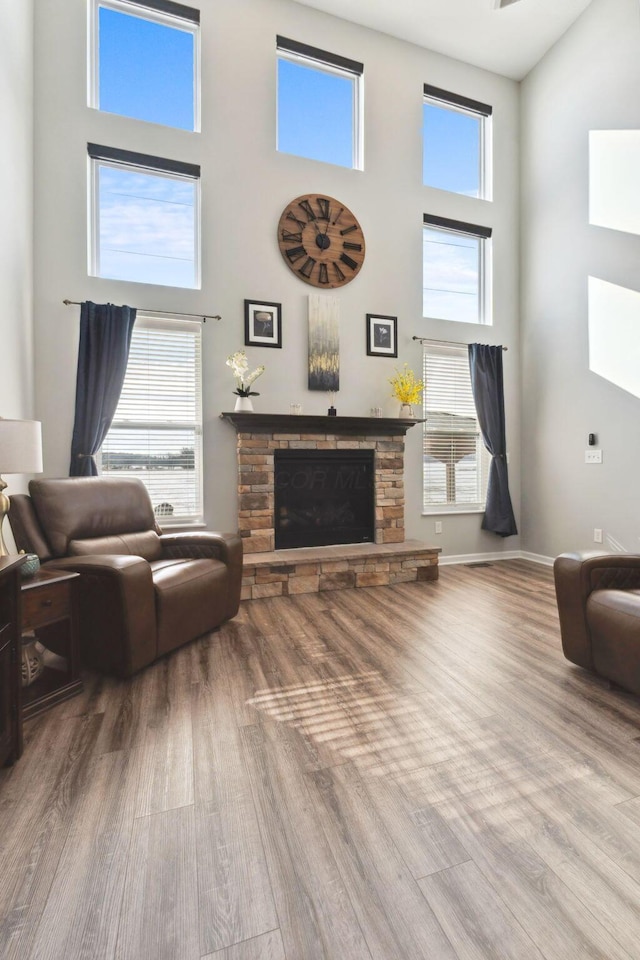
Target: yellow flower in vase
{"x":407,"y":389}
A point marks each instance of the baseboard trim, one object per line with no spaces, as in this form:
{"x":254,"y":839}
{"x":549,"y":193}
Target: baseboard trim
{"x":495,"y":557}
{"x":480,"y":557}
{"x":537,"y":558}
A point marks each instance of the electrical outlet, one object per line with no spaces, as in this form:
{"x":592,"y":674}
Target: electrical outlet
{"x":597,"y":535}
{"x":593,"y":456}
{"x":438,"y":526}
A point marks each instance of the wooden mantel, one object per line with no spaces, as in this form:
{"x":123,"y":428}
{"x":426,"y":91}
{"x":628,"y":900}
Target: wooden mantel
{"x":305,"y":423}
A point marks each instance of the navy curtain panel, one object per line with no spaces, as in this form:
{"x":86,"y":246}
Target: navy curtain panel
{"x":105,"y":338}
{"x":485,"y":365}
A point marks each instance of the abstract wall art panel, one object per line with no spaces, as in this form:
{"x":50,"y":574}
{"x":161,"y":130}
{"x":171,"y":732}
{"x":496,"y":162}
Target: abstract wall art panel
{"x":324,"y":343}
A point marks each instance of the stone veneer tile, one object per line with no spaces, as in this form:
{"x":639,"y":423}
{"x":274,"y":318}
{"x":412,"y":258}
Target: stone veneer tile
{"x":392,"y":535}
{"x":254,"y":523}
{"x":303,"y":585}
{"x":260,"y":544}
{"x":254,"y":501}
{"x":337,"y":581}
{"x":266,"y":576}
{"x":372,"y":579}
{"x":403,"y":577}
{"x":254,"y":458}
{"x":262,"y":590}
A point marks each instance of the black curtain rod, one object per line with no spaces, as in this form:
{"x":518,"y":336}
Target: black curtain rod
{"x":448,"y":343}
{"x":167,"y":313}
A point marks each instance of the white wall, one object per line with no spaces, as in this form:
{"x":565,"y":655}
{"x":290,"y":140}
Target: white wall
{"x":245,"y":186}
{"x":16,"y":221}
{"x":589,"y":81}
{"x":16,"y":210}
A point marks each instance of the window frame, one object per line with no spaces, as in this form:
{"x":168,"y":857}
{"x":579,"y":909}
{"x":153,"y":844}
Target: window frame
{"x":485,"y":263}
{"x":167,"y":13}
{"x":312,"y":57}
{"x":459,"y":351}
{"x":470,"y":108}
{"x":147,"y":320}
{"x":116,"y":158}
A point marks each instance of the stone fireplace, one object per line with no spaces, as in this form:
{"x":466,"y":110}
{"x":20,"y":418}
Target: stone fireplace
{"x":261,"y":435}
{"x":367,"y":554}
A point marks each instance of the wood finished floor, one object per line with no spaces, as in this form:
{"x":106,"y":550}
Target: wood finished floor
{"x":390,"y":773}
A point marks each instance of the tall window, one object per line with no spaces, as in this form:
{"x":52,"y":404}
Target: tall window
{"x":145,"y":223}
{"x":455,"y":463}
{"x":456,"y":270}
{"x":319,"y":104}
{"x":156,"y":433}
{"x":145,"y":61}
{"x":456,"y":143}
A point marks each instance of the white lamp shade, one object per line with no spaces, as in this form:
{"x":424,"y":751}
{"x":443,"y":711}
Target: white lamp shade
{"x":20,"y":446}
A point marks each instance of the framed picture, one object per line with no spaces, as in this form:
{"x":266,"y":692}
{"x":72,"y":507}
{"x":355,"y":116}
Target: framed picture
{"x":262,"y":324}
{"x":382,"y":336}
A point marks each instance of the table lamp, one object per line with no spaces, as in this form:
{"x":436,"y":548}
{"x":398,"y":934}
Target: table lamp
{"x":20,"y":452}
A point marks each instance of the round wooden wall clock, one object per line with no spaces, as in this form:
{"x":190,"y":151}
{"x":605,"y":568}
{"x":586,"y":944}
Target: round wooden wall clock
{"x":321,"y":241}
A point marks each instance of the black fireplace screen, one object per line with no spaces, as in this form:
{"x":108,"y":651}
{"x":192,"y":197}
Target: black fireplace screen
{"x":323,"y":497}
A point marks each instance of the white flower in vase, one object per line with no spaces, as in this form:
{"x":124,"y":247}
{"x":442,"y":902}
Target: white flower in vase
{"x":240,"y":367}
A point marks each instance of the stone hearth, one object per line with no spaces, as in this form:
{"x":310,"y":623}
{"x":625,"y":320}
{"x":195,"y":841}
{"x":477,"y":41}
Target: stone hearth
{"x":340,"y":567}
{"x":389,"y":560}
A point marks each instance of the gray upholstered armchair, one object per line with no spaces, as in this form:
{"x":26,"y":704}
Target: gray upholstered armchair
{"x":142,"y":593}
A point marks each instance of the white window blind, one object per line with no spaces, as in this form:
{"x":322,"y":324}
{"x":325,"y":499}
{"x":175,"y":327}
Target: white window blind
{"x":454,"y":458}
{"x":156,"y":433}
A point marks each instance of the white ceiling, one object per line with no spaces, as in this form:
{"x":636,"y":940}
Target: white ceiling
{"x":509,"y":41}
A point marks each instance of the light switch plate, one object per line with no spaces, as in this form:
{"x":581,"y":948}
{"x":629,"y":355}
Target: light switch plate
{"x":592,"y":455}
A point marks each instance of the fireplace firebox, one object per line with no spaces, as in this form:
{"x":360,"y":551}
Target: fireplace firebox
{"x":323,"y":497}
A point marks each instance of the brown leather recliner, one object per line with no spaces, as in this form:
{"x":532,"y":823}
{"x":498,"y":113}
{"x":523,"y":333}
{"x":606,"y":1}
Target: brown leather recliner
{"x":599,"y":606}
{"x":142,"y":593}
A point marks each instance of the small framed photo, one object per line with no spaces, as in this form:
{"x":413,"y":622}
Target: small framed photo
{"x":382,"y":336}
{"x":262,"y":324}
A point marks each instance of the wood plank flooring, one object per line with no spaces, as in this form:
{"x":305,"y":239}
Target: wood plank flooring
{"x":392,"y":773}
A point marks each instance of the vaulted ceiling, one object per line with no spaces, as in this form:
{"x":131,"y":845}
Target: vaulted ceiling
{"x":508,"y":39}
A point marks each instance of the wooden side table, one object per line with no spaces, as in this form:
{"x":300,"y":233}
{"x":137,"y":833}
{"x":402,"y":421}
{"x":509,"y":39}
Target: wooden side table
{"x":10,"y":714}
{"x":49,"y":610}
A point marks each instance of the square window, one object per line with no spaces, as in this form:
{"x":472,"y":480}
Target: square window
{"x":145,"y":218}
{"x":456,"y":277}
{"x":145,"y":61}
{"x":455,"y":143}
{"x":319,"y":105}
